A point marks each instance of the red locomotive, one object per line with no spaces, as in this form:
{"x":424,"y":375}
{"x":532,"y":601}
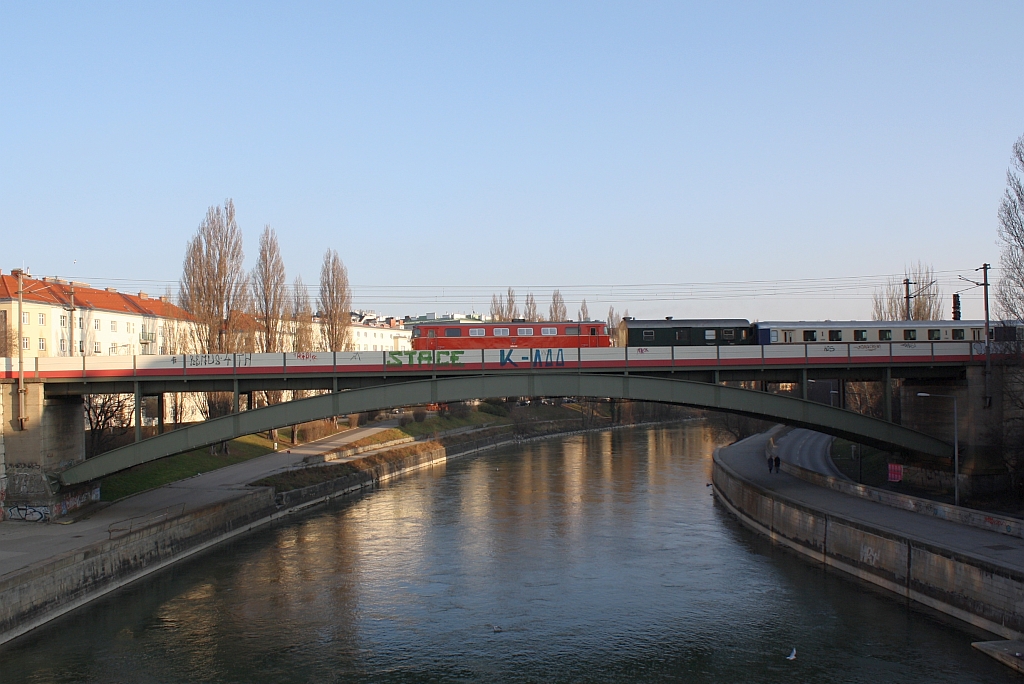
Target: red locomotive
{"x":511,"y":335}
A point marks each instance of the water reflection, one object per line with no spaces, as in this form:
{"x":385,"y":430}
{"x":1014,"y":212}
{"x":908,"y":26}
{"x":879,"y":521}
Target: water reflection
{"x":601,"y":558}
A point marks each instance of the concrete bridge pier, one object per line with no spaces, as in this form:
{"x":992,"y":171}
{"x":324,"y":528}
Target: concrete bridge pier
{"x":30,"y":459}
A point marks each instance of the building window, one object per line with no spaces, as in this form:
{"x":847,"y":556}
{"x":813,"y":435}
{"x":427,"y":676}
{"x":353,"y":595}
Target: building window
{"x":934,"y":334}
{"x":884,"y":335}
{"x":451,"y":332}
{"x":958,"y":333}
{"x":473,"y":332}
{"x":501,"y":332}
{"x":860,"y":335}
{"x":63,"y":321}
{"x":810,"y":335}
{"x":909,"y":335}
{"x":80,"y":321}
{"x":96,"y":348}
{"x":42,"y":319}
{"x":42,"y":344}
{"x":524,"y":331}
{"x":63,"y":345}
{"x":835,"y":335}
{"x":81,"y":347}
{"x":24,"y":317}
{"x":113,"y":326}
{"x":24,"y":343}
{"x":96,"y":324}
{"x":648,"y":335}
{"x":549,"y":331}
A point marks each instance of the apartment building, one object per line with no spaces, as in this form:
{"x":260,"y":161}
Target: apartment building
{"x":368,"y":332}
{"x":62,"y":318}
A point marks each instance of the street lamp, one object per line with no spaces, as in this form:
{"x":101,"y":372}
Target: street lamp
{"x":956,"y":446}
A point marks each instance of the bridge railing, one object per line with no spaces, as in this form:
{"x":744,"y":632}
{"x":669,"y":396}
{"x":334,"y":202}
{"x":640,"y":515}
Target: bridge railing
{"x":319,"y":363}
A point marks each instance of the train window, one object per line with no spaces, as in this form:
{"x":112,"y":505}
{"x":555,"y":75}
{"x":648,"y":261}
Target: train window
{"x":976,"y":334}
{"x":453,"y":332}
{"x":860,"y":335}
{"x":593,"y":331}
{"x":884,"y":335}
{"x":744,"y":334}
{"x":774,"y":336}
{"x":787,"y":335}
{"x":728,"y":334}
{"x":572,"y":330}
{"x":524,"y":331}
{"x":549,"y":331}
{"x":958,"y":333}
{"x":835,"y":335}
{"x":477,"y":332}
{"x":909,"y":335}
{"x":501,"y":332}
{"x":648,"y":335}
{"x":710,"y":335}
{"x":416,"y":332}
{"x":604,"y":329}
{"x":810,"y":335}
{"x":934,"y":334}
{"x":431,"y":333}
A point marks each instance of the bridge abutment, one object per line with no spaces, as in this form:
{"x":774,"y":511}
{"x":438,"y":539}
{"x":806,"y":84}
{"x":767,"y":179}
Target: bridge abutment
{"x":52,"y":441}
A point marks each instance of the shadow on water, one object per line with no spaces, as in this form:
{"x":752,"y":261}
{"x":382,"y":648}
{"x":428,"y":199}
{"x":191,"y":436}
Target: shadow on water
{"x":590,"y":558}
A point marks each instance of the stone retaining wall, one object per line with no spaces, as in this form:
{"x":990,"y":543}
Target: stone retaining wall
{"x":971,"y":589}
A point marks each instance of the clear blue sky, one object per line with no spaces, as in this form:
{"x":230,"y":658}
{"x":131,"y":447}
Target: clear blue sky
{"x":573,"y":145}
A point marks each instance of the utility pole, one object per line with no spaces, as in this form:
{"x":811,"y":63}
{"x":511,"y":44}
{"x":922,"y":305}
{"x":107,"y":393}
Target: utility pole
{"x":906,"y":286}
{"x":21,"y":351}
{"x":988,"y":352}
{"x":71,"y":328}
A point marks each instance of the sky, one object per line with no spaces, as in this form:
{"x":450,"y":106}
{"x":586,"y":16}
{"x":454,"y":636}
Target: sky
{"x":770,"y":161}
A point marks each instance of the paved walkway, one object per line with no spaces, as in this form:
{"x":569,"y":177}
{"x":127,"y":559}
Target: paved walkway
{"x":747,"y":459}
{"x":810,"y":450}
{"x":24,"y":543}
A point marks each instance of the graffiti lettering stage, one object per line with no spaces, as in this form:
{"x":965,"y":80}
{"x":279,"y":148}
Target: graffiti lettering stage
{"x":425,"y":358}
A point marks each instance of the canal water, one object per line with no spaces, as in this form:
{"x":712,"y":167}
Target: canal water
{"x":593,"y":558}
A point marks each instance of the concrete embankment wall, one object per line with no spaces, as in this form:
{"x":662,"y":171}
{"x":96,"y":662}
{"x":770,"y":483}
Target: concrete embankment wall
{"x":981,"y":593}
{"x":43,"y":592}
{"x":47,"y":590}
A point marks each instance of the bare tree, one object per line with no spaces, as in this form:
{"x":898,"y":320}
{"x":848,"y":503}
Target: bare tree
{"x":584,"y":313}
{"x":109,"y":416}
{"x":530,"y":312}
{"x":557,"y":312}
{"x":504,"y":309}
{"x":1010,"y":298}
{"x":890,"y":302}
{"x":1010,"y":289}
{"x":268,"y":292}
{"x":303,"y":339}
{"x":335,"y":302}
{"x":213,"y":285}
{"x":613,"y":324}
{"x":7,"y":342}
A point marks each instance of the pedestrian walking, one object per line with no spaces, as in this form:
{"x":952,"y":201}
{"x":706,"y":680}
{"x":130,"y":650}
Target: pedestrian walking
{"x":778,"y":462}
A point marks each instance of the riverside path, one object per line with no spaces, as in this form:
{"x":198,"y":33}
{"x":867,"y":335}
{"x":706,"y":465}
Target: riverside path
{"x":22,"y":545}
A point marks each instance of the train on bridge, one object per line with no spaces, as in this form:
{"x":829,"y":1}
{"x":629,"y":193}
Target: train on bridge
{"x":670,"y":332}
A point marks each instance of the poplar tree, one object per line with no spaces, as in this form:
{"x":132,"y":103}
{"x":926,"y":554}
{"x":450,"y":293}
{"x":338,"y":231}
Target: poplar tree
{"x":335,"y":302}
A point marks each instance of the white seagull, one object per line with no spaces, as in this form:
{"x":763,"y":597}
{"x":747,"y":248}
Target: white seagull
{"x":792,"y":656}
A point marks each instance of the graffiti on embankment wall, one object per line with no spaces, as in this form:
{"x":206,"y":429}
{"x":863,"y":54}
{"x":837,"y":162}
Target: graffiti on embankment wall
{"x":67,"y":502}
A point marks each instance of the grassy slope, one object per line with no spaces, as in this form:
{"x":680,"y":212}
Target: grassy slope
{"x":174,"y":468}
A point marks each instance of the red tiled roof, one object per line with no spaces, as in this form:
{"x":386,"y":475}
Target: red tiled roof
{"x":59,"y":294}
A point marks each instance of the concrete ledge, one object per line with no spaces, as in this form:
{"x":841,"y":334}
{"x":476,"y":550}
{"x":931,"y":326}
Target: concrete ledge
{"x":971,"y":589}
{"x":1013,"y":527}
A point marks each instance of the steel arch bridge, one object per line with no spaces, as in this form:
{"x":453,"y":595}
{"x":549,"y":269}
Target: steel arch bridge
{"x":779,"y":408}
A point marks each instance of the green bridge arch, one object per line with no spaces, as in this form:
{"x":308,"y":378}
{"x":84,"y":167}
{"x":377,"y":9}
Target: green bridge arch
{"x":775,"y":407}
